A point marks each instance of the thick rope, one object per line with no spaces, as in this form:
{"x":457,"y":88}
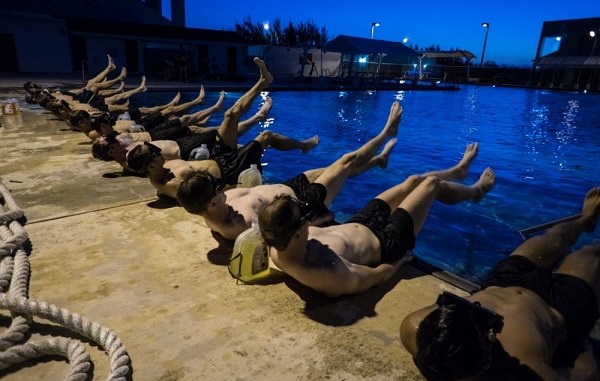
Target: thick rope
{"x":73,"y":350}
{"x":14,"y":275}
{"x":12,"y":237}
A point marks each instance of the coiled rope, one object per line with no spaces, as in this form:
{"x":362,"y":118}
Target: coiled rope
{"x":14,"y":281}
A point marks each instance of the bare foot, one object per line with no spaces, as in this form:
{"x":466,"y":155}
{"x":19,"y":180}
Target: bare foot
{"x":462,"y":168}
{"x":484,"y":184}
{"x":123,"y":74}
{"x":263,"y":112}
{"x":111,"y":63}
{"x":309,"y":144}
{"x":384,"y":156}
{"x":266,"y":78}
{"x":220,"y":101}
{"x":591,"y":208}
{"x":391,"y":126}
{"x":175,"y":100}
{"x":200,"y":98}
{"x":197,"y":129}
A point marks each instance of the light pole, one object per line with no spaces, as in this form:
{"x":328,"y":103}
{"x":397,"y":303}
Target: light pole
{"x":593,"y":35}
{"x":485,"y":25}
{"x":373,"y":25}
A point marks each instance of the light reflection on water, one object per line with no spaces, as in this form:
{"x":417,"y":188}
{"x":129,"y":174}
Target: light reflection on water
{"x":543,"y":146}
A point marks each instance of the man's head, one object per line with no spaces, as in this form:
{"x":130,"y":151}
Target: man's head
{"x":455,"y":340}
{"x":79,"y":119}
{"x":102,"y":147}
{"x":31,"y":87}
{"x":43,"y":98}
{"x":281,"y":219}
{"x":141,"y":156}
{"x":60,"y":108}
{"x":197,"y":190}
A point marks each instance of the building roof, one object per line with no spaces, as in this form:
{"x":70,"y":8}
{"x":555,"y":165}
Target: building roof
{"x":450,"y":54}
{"x":134,"y":11}
{"x":154,"y":32}
{"x":591,"y":62}
{"x":359,"y":45}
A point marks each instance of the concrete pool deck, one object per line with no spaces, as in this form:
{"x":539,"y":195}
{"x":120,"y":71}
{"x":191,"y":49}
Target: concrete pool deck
{"x":104,"y":247}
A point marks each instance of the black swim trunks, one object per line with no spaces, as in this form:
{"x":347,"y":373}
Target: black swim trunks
{"x":151,"y":121}
{"x":85,"y":96}
{"x":312,"y":193}
{"x":232,"y":162}
{"x":188,"y":143}
{"x":395,"y":230}
{"x":569,"y":295}
{"x":169,"y":130}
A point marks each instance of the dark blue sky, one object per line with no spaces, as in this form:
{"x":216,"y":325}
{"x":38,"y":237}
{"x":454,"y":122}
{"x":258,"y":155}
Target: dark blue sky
{"x":514,"y":25}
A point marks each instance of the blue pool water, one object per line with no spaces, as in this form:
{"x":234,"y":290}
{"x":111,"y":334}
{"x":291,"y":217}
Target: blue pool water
{"x":544,"y":147}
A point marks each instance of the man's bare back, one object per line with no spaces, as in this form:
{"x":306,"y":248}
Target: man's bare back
{"x":242,"y":207}
{"x":532,"y":329}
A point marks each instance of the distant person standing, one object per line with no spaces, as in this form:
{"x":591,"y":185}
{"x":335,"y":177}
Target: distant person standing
{"x":182,"y":66}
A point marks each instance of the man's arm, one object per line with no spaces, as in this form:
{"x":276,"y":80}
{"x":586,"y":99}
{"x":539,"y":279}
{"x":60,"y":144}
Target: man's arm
{"x":585,"y":367}
{"x":351,"y":278}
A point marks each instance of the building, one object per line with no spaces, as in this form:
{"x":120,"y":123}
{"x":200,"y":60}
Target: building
{"x":567,"y":55}
{"x":65,"y":36}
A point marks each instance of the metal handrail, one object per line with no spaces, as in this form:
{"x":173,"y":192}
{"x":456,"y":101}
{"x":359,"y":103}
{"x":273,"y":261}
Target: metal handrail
{"x":528,"y":232}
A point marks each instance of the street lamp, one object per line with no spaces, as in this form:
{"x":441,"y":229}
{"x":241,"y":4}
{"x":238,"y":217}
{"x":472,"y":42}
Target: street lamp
{"x":485,"y":25}
{"x":373,"y":25}
{"x":593,"y":35}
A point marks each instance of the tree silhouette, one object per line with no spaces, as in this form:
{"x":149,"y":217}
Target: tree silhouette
{"x":292,"y":35}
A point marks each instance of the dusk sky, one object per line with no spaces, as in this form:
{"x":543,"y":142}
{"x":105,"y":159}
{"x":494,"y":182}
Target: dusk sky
{"x":514,"y":25}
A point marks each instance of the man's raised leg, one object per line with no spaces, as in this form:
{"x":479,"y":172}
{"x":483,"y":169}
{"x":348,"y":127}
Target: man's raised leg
{"x":416,"y":194}
{"x":260,"y":116}
{"x":460,"y":170}
{"x":547,"y":249}
{"x":228,"y":130}
{"x":100,"y":76}
{"x":175,"y":109}
{"x":351,"y":164}
{"x":200,"y":117}
{"x":284,"y":143}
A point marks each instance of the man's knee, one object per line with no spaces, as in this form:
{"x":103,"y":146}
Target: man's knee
{"x":265,"y":136}
{"x":234,"y":111}
{"x":592,"y":249}
{"x":431,"y":183}
{"x":347,"y":160}
{"x":413,"y":180}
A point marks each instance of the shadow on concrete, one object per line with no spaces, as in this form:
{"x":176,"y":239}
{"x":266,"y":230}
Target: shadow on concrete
{"x":163,"y":202}
{"x":347,"y":309}
{"x":220,"y":255}
{"x":113,"y":175}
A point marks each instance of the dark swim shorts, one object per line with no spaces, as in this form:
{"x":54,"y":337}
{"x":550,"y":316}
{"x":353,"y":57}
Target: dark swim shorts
{"x":232,"y":162}
{"x":85,"y":96}
{"x":572,"y":297}
{"x":171,"y":129}
{"x":149,"y":121}
{"x":395,"y":230}
{"x":188,"y":143}
{"x":312,"y":193}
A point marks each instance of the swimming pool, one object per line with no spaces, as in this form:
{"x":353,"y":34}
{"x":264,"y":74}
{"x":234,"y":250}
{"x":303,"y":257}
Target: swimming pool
{"x":543,"y":146}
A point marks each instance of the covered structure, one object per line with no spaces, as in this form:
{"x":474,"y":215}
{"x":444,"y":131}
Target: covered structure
{"x":450,"y":58}
{"x":568,"y":55}
{"x":363,"y":57}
